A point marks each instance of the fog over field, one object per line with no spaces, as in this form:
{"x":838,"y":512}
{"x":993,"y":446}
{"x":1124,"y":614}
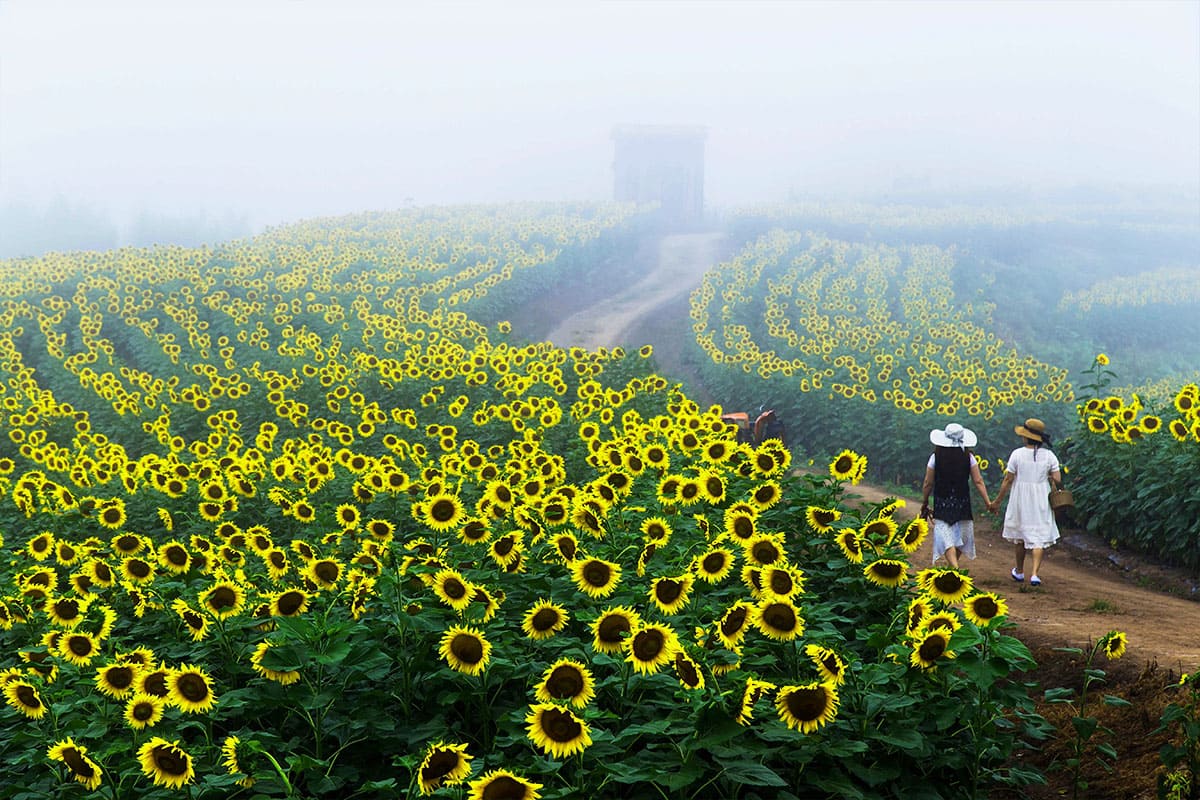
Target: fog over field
{"x":142,"y":120}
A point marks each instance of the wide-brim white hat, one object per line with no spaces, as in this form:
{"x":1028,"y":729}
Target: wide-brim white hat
{"x":954,"y":435}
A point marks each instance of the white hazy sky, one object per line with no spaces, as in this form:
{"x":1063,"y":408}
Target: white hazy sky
{"x":280,"y":110}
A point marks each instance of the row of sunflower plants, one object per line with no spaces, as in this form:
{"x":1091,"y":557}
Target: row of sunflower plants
{"x":876,"y":329}
{"x":1134,"y":467}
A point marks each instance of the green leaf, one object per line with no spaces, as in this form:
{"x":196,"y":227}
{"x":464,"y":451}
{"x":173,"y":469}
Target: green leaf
{"x":752,"y":773}
{"x":1062,"y":694}
{"x":1116,"y":702}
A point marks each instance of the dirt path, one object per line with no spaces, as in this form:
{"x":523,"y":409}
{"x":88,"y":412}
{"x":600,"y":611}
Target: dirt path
{"x":682,"y":261}
{"x":1084,"y":595}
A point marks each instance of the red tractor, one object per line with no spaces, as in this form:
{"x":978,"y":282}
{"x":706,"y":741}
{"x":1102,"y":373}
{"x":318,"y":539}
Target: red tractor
{"x":766,"y":425}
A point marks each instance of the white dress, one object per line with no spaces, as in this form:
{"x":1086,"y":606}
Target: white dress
{"x":1029,"y":518}
{"x":959,"y":534}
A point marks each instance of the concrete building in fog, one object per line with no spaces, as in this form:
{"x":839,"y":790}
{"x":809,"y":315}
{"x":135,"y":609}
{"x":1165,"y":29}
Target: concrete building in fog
{"x":661,"y":164}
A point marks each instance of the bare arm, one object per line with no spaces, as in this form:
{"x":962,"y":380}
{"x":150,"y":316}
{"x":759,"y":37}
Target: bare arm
{"x":1056,"y":479}
{"x":977,"y":479}
{"x":1004,"y":487}
{"x":927,"y":486}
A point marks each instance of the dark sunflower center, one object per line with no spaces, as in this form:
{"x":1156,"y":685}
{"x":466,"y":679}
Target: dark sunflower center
{"x":290,"y":603}
{"x":177,"y":555}
{"x":843,"y":465}
{"x":28,"y":697}
{"x":67,"y":608}
{"x":504,"y":546}
{"x":75,"y":760}
{"x":948,"y":583}
{"x":734,"y":621}
{"x":567,"y":548}
{"x":807,"y":705}
{"x":277,"y":559}
{"x":612,"y":628}
{"x":560,"y":725}
{"x":80,"y":645}
{"x":765,"y":462}
{"x":442,"y":510}
{"x":780,"y":616}
{"x":648,"y":645}
{"x":193,"y":620}
{"x":139,"y":568}
{"x":112,"y":516}
{"x":986,"y":608}
{"x":714,"y":486}
{"x":467,"y":649}
{"x":168,"y":760}
{"x":222,"y":597}
{"x":474,"y":530}
{"x":326,"y":571}
{"x":119,"y":677}
{"x":781,"y":582}
{"x":143,"y":711}
{"x":127,"y":543}
{"x":565,"y":682}
{"x":192,"y":686}
{"x":687,"y":670}
{"x":454,"y":589}
{"x":766,"y":553}
{"x":889,"y":570}
{"x":155,"y":684}
{"x":504,"y":787}
{"x":655,"y":531}
{"x":668,"y":590}
{"x":764,"y":494}
{"x":597,"y":573}
{"x":713,"y":563}
{"x":545,"y":619}
{"x":932,"y":648}
{"x":439,"y":764}
{"x":689,"y":490}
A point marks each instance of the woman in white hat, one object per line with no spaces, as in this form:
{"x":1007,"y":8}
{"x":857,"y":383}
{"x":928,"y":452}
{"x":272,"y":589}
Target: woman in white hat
{"x":950,"y":467}
{"x":1029,"y":520}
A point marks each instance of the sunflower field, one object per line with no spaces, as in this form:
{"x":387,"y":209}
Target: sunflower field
{"x":298,"y":516}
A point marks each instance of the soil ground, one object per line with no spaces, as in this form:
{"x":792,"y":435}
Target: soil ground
{"x":1088,"y":587}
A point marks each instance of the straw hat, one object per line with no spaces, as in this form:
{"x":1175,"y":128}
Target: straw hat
{"x":1033,"y":429}
{"x":955,"y":435}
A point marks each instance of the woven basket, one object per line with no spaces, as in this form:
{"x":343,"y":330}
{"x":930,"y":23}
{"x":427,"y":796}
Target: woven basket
{"x":1061,"y":499}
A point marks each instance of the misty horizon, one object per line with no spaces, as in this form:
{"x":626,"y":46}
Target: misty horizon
{"x":238,"y":117}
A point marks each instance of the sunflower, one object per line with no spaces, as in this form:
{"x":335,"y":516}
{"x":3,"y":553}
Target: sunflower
{"x":137,"y":570}
{"x":782,"y":582}
{"x":500,"y":784}
{"x":688,"y":671}
{"x":940,"y":620}
{"x":465,"y":650}
{"x":845,"y":466}
{"x":656,"y":530}
{"x":807,"y":707}
{"x":83,"y":769}
{"x":595,"y":577}
{"x":670,"y":594}
{"x":945,"y":585}
{"x":982,"y":608}
{"x":886,"y":572}
{"x":143,"y":711}
{"x":1113,"y":644}
{"x":566,"y":546}
{"x":443,"y":764}
{"x":347,"y":516}
{"x":284,"y":677}
{"x":544,"y":620}
{"x":111,"y":515}
{"x":41,"y":546}
{"x":566,"y":681}
{"x":734,"y":623}
{"x":556,"y":730}
{"x":174,"y":558}
{"x":78,"y":648}
{"x":324,"y":572}
{"x":190,"y":689}
{"x":442,"y":512}
{"x":821,"y":519}
{"x":166,"y":762}
{"x":831,"y":666}
{"x":766,"y":495}
{"x":851,"y":545}
{"x":929,"y":646}
{"x":879,"y":531}
{"x":197,"y":623}
{"x":289,"y":603}
{"x":229,"y":751}
{"x":66,"y":612}
{"x":507,"y":549}
{"x":765,"y":549}
{"x":223,"y":599}
{"x":453,"y":589}
{"x":612,"y":629}
{"x":914,"y":534}
{"x":779,"y":620}
{"x":754,"y":691}
{"x":117,"y":680}
{"x":715,"y":565}
{"x":24,"y":697}
{"x":651,"y":647}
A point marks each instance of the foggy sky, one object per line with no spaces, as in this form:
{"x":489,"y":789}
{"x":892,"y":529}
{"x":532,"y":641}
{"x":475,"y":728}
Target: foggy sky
{"x":283,"y":110}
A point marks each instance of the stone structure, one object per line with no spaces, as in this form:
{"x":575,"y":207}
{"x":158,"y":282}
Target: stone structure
{"x":662,"y":164}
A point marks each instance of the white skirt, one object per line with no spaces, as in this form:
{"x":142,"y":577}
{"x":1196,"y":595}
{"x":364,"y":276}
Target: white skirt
{"x":959,"y":534}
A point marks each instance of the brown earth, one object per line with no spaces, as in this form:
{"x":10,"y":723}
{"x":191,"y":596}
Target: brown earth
{"x":1089,"y":587}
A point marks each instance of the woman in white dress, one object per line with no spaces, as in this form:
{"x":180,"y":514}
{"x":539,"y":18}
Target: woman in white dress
{"x":1029,"y":520}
